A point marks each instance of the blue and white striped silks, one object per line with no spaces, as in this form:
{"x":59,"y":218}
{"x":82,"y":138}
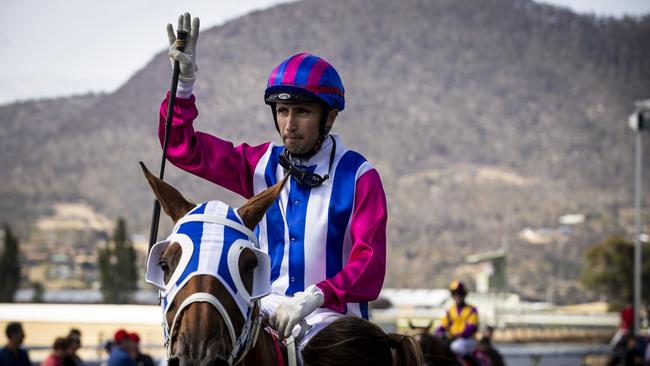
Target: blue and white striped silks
{"x":306,"y":231}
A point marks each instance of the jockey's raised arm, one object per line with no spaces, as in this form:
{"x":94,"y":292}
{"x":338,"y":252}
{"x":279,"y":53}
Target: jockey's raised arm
{"x":326,"y":233}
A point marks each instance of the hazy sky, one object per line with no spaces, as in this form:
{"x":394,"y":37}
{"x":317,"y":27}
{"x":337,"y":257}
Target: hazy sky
{"x":63,"y":47}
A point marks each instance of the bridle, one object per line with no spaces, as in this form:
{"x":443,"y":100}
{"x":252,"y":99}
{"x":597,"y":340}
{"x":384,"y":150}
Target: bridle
{"x":250,"y":330}
{"x":241,"y":344}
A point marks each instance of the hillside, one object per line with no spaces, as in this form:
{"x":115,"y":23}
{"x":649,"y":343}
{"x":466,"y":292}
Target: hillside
{"x":483,"y":117}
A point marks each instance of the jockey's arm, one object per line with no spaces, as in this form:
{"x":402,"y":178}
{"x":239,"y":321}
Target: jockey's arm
{"x":205,"y":155}
{"x":444,"y":324}
{"x":362,"y":277}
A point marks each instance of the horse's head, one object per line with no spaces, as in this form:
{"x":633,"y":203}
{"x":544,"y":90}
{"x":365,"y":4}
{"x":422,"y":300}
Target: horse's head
{"x":211,"y":274}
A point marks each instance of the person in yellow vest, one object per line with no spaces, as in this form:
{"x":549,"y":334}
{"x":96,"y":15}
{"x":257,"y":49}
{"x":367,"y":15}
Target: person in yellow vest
{"x":460,"y":322}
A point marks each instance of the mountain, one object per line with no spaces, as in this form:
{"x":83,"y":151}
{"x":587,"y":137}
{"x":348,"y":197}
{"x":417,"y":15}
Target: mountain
{"x":484,"y":117}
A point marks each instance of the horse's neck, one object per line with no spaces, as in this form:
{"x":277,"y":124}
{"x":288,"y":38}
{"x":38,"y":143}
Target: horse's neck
{"x":264,"y":351}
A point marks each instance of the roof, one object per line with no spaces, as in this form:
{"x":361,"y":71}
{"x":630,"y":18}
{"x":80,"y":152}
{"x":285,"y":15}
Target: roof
{"x":81,"y":313}
{"x":482,"y":257}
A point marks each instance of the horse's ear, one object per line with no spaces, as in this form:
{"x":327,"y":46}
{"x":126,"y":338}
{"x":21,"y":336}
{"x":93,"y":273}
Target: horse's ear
{"x":171,"y":200}
{"x":253,"y":210}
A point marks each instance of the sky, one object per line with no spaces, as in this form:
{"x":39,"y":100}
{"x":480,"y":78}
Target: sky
{"x":67,"y":47}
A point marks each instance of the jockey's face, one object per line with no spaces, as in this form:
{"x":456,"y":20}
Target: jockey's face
{"x":299,"y":125}
{"x":459,"y":299}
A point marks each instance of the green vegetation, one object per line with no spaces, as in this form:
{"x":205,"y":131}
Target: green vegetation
{"x":118,"y":274}
{"x":9,"y":266}
{"x":609,"y":270}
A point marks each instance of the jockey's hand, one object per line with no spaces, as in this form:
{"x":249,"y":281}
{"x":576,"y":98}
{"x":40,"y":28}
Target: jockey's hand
{"x":186,"y":59}
{"x":295,"y":309}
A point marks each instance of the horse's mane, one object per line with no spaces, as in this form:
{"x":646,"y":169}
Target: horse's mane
{"x":355,"y":341}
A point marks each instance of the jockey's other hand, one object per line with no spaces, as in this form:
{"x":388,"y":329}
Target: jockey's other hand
{"x":295,"y":309}
{"x":187,"y":58}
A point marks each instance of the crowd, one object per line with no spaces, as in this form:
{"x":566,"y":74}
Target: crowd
{"x":628,"y":348}
{"x":64,"y":351}
{"x":123,"y":349}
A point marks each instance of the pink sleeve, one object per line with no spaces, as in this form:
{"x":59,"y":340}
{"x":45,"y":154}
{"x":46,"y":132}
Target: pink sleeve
{"x":205,"y":155}
{"x":363,"y":276}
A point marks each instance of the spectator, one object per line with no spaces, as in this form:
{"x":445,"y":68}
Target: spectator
{"x":140,"y":358}
{"x":108,"y":346}
{"x":60,"y":348}
{"x":633,"y":353}
{"x":75,"y":343}
{"x":120,"y":351}
{"x":626,"y":322}
{"x":13,"y":354}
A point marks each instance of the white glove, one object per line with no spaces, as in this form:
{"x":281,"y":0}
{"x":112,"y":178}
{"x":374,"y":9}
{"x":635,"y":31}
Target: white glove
{"x":186,"y":59}
{"x":295,"y":309}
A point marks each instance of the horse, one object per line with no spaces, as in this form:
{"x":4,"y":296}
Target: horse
{"x":437,"y":351}
{"x":434,"y":350}
{"x":212,"y":317}
{"x":211,"y":275}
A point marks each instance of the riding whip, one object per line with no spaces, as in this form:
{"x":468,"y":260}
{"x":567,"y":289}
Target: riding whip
{"x":181,"y":35}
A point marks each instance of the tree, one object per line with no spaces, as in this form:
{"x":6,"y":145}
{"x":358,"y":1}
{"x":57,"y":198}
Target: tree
{"x":609,"y":270}
{"x":118,"y":273}
{"x":9,"y":266}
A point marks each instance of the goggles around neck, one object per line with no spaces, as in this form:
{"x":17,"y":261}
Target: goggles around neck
{"x":300,"y":174}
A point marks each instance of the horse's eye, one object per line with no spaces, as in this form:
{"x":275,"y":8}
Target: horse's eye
{"x":164,"y":266}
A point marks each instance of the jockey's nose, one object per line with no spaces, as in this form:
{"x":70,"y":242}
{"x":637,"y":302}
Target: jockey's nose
{"x":292,"y":121}
{"x":203,"y":338}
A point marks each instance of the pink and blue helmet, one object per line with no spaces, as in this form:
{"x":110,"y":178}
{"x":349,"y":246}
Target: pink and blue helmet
{"x":305,"y":77}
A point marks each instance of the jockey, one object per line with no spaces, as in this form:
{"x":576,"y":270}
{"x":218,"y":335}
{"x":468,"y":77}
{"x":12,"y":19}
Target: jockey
{"x":326,"y":233}
{"x":460,"y":322}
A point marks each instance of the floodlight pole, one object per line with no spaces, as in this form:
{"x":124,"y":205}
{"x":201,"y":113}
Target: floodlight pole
{"x":637,"y":233}
{"x":638,"y":121}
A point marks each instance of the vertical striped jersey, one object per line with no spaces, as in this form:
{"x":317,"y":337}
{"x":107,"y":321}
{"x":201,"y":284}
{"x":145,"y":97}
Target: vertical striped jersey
{"x":333,"y":235}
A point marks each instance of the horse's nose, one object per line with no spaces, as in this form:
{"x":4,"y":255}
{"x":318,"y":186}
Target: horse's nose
{"x":202,"y":336}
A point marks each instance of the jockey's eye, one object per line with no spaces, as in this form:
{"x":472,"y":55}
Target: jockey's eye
{"x":164,"y":266}
{"x":303,"y":111}
{"x":283,"y":111}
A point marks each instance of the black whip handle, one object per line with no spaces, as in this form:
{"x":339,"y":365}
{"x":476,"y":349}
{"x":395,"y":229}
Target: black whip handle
{"x":181,"y":36}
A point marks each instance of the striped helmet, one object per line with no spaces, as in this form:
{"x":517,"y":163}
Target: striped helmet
{"x":305,"y":77}
{"x":457,"y":287}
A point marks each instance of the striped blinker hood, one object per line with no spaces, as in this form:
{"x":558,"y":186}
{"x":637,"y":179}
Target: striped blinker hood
{"x":212,"y":238}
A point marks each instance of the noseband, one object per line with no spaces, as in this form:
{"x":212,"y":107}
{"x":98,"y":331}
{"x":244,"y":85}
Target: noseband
{"x":241,"y":344}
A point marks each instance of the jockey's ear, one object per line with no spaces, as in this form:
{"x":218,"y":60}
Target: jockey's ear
{"x":171,"y":200}
{"x":253,"y":210}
